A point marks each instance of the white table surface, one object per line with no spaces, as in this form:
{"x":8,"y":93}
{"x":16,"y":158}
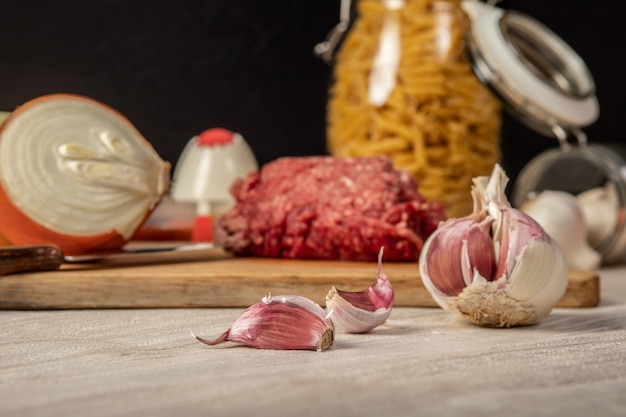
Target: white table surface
{"x":425,"y":362}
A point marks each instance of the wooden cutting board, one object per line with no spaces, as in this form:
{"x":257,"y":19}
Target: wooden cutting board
{"x":213,"y":278}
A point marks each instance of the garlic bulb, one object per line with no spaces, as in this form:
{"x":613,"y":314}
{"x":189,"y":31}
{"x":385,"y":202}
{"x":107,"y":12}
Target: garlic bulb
{"x":600,"y":210}
{"x":283,"y":322}
{"x":362,"y":311}
{"x":496,"y":267}
{"x":560,"y":215}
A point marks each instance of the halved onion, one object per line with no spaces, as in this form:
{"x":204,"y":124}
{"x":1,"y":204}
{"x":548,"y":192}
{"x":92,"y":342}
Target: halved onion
{"x":76,"y":173}
{"x":4,"y":241}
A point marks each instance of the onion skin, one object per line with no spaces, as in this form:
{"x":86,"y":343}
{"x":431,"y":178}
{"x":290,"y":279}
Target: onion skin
{"x":19,"y":229}
{"x":4,"y":241}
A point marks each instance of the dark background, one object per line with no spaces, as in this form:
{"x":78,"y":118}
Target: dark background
{"x":178,"y":67}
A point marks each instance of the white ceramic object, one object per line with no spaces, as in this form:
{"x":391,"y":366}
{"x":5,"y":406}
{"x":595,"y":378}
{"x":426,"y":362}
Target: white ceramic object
{"x":207,"y":168}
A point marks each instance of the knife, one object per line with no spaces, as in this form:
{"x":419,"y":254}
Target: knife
{"x":49,"y":257}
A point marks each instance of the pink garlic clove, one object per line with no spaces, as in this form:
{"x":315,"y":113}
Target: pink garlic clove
{"x":362,"y":311}
{"x":458,"y":250}
{"x":283,"y":322}
{"x":517,"y":230}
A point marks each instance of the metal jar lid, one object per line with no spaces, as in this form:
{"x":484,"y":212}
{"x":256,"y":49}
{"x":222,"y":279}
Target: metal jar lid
{"x":536,"y":74}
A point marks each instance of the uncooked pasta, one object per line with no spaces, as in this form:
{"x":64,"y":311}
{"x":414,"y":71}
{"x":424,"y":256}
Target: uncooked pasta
{"x":438,"y":121}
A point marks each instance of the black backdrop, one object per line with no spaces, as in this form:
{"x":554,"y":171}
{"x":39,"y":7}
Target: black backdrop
{"x":177,"y":67}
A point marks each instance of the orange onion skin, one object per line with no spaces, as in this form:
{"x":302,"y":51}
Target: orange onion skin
{"x":20,"y":229}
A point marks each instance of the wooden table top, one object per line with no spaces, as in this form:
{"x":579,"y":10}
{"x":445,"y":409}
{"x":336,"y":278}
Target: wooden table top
{"x":131,"y":362}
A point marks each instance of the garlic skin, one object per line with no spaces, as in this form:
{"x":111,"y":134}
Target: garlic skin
{"x":362,"y":311}
{"x":561,"y":216}
{"x":496,"y":267}
{"x":283,"y":322}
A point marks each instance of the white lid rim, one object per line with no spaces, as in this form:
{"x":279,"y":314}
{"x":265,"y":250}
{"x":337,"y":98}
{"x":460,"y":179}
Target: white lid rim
{"x":500,"y":68}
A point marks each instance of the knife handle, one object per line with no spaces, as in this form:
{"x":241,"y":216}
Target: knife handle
{"x":14,"y":259}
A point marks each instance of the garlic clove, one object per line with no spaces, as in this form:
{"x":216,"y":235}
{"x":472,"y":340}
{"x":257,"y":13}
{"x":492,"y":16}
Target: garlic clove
{"x":517,"y":230}
{"x":560,"y":215}
{"x":457,"y":250}
{"x":512,"y":229}
{"x":283,"y":322}
{"x":539,"y":278}
{"x":531,"y":273}
{"x":362,"y":311}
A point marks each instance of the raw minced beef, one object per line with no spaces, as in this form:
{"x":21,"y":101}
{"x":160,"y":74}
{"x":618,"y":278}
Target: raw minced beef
{"x":328,"y":208}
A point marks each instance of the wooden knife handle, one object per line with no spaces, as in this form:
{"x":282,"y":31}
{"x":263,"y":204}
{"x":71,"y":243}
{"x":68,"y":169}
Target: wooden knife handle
{"x":14,"y":259}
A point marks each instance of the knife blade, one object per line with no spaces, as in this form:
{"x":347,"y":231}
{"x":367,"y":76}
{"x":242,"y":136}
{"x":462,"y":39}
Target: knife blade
{"x":50,"y":257}
{"x":133,"y":252}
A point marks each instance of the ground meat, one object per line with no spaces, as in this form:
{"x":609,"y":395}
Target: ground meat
{"x":328,"y":208}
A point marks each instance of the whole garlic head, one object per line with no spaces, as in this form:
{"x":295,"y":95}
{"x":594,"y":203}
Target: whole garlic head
{"x":496,"y":267}
{"x":560,"y":215}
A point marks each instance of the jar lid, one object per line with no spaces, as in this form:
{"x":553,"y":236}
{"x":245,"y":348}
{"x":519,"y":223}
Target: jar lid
{"x":538,"y":76}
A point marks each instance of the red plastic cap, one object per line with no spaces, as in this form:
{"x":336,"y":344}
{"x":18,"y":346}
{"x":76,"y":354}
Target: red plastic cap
{"x":215,"y":136}
{"x":202,"y":229}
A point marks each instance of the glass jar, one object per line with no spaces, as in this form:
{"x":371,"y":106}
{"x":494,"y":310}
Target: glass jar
{"x":414,"y":80}
{"x":404,"y":87}
{"x":596,"y":175}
